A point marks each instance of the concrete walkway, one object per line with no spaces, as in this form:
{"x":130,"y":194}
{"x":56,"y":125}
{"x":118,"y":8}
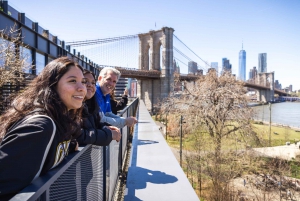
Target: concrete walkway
{"x":154,"y":173}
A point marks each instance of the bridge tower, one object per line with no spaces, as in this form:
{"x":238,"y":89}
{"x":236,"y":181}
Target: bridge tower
{"x":151,"y":57}
{"x":265,"y":79}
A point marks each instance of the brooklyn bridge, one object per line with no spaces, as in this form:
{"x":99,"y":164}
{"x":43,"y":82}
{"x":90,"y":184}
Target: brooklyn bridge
{"x":159,"y":53}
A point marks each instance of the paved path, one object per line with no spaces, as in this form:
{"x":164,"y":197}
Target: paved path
{"x":154,"y":173}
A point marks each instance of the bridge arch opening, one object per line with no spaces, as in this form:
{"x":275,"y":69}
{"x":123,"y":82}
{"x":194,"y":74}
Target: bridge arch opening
{"x":148,"y":63}
{"x":160,"y":56}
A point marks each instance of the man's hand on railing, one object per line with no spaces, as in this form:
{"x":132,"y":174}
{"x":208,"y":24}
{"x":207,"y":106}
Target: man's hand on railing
{"x":130,"y":121}
{"x":116,"y":134}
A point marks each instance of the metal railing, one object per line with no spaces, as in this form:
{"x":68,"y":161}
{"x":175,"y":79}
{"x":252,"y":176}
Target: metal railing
{"x":90,"y":174}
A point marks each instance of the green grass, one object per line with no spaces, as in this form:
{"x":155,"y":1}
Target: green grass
{"x":279,"y":136}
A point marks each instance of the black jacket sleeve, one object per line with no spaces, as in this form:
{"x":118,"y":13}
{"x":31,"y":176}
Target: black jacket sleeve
{"x":22,"y":152}
{"x":100,"y":137}
{"x":118,"y":105}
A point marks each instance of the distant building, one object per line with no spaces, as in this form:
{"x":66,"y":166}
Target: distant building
{"x":242,"y":65}
{"x":262,"y":63}
{"x":192,"y":67}
{"x":133,"y":88}
{"x":199,"y":72}
{"x":277,"y":84}
{"x":226,"y":66}
{"x":252,"y":73}
{"x":176,"y":67}
{"x":291,"y":88}
{"x":214,"y":65}
{"x":120,"y":87}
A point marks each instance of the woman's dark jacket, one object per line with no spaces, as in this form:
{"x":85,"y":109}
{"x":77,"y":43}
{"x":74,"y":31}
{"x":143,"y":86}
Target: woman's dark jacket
{"x":118,"y":105}
{"x":92,"y":131}
{"x":30,"y":148}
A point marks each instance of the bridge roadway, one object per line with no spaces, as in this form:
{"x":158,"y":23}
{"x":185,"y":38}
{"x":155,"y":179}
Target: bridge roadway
{"x":146,"y":74}
{"x":156,"y":74}
{"x":154,"y":173}
{"x":256,"y":86}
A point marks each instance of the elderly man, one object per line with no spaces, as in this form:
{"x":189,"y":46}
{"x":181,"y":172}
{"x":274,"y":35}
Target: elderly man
{"x":107,"y":81}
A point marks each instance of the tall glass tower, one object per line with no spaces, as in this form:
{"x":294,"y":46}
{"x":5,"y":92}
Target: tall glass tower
{"x":262,"y":63}
{"x":242,"y":65}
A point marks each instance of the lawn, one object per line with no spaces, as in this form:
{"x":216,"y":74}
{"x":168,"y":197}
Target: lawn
{"x":279,"y":136}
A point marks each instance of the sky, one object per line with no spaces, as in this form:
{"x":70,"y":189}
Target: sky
{"x":213,"y":29}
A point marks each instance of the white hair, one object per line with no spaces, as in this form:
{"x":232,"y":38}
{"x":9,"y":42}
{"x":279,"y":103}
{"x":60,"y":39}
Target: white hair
{"x":104,"y":71}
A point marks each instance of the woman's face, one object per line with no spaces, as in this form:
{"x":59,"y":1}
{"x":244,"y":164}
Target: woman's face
{"x":90,"y":86}
{"x":71,"y":88}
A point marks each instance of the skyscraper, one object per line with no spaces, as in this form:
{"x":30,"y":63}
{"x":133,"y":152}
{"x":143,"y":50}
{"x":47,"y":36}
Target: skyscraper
{"x":262,"y":63}
{"x":214,"y":65}
{"x":242,"y":65}
{"x":192,"y":67}
{"x":252,"y":73}
{"x":226,"y":66}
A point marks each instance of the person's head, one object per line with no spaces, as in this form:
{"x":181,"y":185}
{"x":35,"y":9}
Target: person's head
{"x":58,"y":91}
{"x":62,"y":79}
{"x":108,"y":79}
{"x":90,"y":83}
{"x":71,"y":86}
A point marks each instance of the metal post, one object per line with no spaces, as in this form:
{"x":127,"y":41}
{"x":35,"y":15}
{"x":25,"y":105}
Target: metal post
{"x":263,"y":113}
{"x":280,"y":188}
{"x":166,"y":126}
{"x":270,"y":126}
{"x":180,"y":152}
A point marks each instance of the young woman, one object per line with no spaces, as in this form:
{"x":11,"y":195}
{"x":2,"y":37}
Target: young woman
{"x":92,"y":131}
{"x":37,"y":128}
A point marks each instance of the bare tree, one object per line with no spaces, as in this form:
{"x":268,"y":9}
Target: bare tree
{"x":218,"y":106}
{"x":13,"y":62}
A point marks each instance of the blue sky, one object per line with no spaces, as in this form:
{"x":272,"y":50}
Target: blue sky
{"x":214,"y":29}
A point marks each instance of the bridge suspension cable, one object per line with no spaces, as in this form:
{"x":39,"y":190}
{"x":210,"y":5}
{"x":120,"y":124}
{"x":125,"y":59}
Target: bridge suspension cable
{"x":184,"y":50}
{"x":177,"y":50}
{"x":180,"y":61}
{"x":100,"y":41}
{"x":116,"y":51}
{"x":191,"y":50}
{"x":123,"y":51}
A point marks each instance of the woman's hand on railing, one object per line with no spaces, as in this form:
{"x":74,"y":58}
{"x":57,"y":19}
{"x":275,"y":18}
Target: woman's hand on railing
{"x":116,"y":134}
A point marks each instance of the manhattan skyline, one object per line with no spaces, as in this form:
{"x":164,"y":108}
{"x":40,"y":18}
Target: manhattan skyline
{"x":270,"y":26}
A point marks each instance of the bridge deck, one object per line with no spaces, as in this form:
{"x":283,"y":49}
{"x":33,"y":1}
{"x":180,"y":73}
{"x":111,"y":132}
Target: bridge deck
{"x":154,"y":173}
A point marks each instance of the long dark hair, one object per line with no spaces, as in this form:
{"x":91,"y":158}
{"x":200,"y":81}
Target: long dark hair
{"x":41,"y":96}
{"x":92,"y":102}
